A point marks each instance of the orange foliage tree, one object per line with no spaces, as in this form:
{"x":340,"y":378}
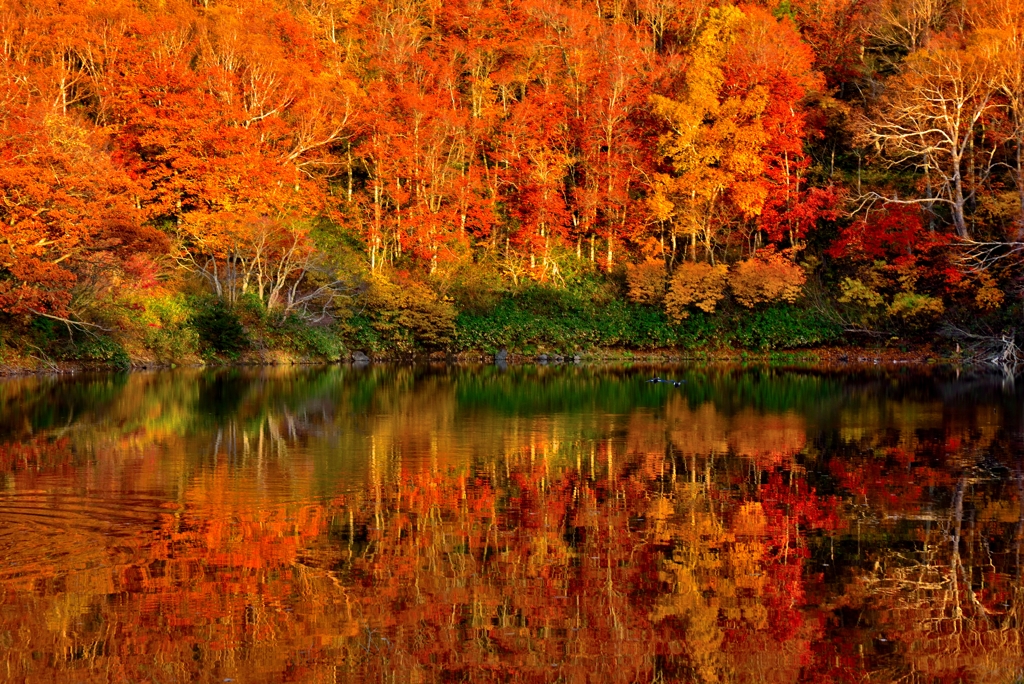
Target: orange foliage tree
{"x":647,"y":281}
{"x":766,"y":279}
{"x":695,"y":284}
{"x":532,"y":136}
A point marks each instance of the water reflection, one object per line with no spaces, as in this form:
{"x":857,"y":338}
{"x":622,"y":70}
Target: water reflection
{"x":526,"y":524}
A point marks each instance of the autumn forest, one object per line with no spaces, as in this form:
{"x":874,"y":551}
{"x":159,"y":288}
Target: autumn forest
{"x":211,"y":179}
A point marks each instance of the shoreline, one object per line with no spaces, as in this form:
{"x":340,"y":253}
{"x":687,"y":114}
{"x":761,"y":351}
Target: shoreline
{"x":823,"y":357}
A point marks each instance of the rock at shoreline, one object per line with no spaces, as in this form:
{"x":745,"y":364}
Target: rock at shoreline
{"x":501,"y":356}
{"x":360,"y":358}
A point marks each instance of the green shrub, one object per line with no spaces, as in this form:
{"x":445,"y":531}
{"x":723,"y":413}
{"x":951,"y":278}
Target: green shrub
{"x":100,"y":349}
{"x":167,"y":329}
{"x":541,"y":318}
{"x":359,"y":333}
{"x":311,"y":341}
{"x":916,"y":311}
{"x":475,"y":286}
{"x":74,"y":344}
{"x":784,"y":327}
{"x":406,"y":317}
{"x":218,"y":327}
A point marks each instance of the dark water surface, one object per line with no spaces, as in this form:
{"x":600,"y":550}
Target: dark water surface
{"x":394,"y":524}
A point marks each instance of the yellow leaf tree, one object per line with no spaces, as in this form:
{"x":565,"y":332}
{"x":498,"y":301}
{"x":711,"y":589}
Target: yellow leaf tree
{"x":713,"y":144}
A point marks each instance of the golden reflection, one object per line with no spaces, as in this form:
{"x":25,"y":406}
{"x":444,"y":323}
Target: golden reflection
{"x":556,"y":525}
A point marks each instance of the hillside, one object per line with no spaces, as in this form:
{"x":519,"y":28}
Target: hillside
{"x":189,"y":180}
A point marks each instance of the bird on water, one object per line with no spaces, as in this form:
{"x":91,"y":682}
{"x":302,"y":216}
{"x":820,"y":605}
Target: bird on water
{"x":674,"y":383}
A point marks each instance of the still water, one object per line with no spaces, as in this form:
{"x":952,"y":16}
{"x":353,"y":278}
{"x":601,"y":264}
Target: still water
{"x":398,"y":524}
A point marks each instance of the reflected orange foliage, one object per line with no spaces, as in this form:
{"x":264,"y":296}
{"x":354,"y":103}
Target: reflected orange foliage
{"x":420,"y":539}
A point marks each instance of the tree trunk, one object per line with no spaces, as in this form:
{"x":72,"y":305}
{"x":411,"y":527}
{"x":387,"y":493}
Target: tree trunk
{"x":1020,"y":181}
{"x":959,"y":221}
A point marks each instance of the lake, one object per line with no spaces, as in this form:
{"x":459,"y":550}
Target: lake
{"x":528,"y":524}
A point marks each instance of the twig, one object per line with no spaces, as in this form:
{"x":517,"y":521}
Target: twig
{"x":68,"y":321}
{"x":982,"y":255}
{"x":45,"y":360}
